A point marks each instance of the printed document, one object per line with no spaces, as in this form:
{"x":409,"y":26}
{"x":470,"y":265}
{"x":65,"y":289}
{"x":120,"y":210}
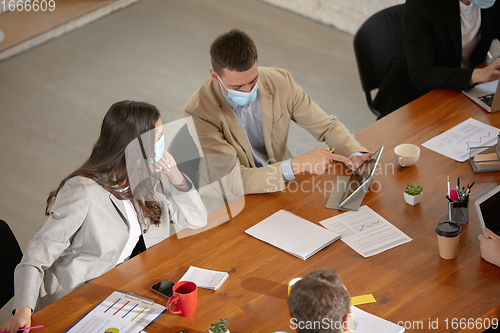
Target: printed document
{"x":366,"y":232}
{"x":456,"y":142}
{"x":119,"y":313}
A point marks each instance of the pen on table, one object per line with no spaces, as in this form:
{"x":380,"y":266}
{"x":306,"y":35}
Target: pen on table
{"x":471,"y":185}
{"x":24,"y":329}
{"x":331,"y":151}
{"x":448,"y":186}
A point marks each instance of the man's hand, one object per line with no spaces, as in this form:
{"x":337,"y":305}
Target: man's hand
{"x":358,"y":160}
{"x":486,"y":74}
{"x":490,"y":247}
{"x":316,"y":161}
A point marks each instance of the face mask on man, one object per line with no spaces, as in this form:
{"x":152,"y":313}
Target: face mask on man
{"x":483,"y":4}
{"x":239,"y":97}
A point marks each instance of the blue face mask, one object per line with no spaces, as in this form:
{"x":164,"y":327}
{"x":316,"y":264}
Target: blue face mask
{"x":241,"y":98}
{"x":483,"y":4}
{"x":159,"y":148}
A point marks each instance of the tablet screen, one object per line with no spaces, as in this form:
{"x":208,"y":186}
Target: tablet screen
{"x":490,"y":209}
{"x":362,"y":174}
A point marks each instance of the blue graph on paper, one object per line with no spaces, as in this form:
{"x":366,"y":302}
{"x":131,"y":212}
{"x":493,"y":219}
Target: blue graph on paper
{"x":480,"y":141}
{"x":368,"y":226}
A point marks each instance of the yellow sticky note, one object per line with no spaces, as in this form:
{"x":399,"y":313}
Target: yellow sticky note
{"x":363,"y":299}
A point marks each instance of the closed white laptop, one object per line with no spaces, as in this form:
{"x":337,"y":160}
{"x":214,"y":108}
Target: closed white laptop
{"x":485,"y":95}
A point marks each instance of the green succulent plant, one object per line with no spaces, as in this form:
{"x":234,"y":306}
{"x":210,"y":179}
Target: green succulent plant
{"x":219,"y":327}
{"x":413,"y":189}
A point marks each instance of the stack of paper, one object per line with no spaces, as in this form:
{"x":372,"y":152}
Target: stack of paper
{"x":205,"y":278}
{"x":293,"y":234}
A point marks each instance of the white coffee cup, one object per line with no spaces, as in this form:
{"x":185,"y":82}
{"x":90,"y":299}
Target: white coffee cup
{"x":407,"y":154}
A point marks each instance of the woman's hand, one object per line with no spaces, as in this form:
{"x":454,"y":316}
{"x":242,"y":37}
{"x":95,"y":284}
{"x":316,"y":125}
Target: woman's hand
{"x":168,"y":166}
{"x":20,"y":319}
{"x":486,"y":74}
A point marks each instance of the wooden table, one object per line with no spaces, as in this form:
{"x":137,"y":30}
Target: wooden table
{"x":411,"y":283}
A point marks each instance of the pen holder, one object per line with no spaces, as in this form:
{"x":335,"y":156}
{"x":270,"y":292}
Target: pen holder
{"x":458,"y":211}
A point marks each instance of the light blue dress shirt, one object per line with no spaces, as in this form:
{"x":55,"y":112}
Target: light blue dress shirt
{"x":251,"y":123}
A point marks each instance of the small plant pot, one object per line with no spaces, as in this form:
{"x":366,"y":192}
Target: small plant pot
{"x":413,"y":199}
{"x":210,"y":331}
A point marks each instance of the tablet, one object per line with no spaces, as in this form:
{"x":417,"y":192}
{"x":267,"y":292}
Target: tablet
{"x":488,"y":210}
{"x":361,"y":178}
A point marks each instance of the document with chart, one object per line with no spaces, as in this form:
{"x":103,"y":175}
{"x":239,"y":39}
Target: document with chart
{"x":366,"y":232}
{"x":119,"y":313}
{"x":456,"y":142}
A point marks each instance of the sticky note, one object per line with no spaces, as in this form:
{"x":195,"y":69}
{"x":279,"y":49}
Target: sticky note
{"x":363,"y":299}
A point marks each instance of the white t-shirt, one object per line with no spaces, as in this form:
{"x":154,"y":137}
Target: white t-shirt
{"x":470,"y":20}
{"x":134,"y":231}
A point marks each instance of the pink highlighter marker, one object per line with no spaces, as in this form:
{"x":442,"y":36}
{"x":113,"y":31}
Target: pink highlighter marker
{"x":23,"y":329}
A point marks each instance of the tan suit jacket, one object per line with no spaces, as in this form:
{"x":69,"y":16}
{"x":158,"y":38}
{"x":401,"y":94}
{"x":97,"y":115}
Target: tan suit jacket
{"x":281,"y":100}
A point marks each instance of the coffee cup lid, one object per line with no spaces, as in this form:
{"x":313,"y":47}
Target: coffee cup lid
{"x":448,"y":229}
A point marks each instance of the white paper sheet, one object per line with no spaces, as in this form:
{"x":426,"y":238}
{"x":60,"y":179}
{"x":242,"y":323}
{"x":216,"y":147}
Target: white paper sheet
{"x":119,"y":313}
{"x":366,"y":232}
{"x":456,"y":142}
{"x":368,"y":323}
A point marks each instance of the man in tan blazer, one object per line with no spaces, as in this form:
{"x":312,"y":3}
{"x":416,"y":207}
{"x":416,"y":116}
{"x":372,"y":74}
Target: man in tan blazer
{"x":245,"y":111}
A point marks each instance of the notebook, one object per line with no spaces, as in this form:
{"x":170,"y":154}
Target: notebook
{"x":293,"y":234}
{"x":485,"y":95}
{"x":205,"y":278}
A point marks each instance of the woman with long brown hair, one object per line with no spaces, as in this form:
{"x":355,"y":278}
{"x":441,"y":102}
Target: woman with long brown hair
{"x":106,"y":211}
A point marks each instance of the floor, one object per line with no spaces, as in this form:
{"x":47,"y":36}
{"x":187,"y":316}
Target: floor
{"x":43,"y":17}
{"x":53,"y":97}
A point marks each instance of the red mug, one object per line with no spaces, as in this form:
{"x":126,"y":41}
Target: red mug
{"x":185,"y":296}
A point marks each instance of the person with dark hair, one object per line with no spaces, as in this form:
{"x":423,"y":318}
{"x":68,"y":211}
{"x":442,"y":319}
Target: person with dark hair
{"x":245,"y":111}
{"x":102,"y":213}
{"x":319,"y":303}
{"x":441,"y":43}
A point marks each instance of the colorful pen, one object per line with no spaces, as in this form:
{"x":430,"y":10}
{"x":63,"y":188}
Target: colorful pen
{"x":471,"y":185}
{"x":331,"y":151}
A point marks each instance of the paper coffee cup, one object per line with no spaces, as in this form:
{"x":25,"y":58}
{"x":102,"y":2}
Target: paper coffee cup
{"x":292,"y":282}
{"x":448,"y":235}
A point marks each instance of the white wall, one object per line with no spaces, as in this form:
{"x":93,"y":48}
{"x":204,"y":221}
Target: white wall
{"x":347,"y":15}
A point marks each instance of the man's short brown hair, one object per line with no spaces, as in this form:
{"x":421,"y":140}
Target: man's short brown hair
{"x":319,"y":302}
{"x":234,"y":50}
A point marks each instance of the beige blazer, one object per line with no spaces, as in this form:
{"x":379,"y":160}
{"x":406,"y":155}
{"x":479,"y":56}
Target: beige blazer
{"x":281,"y":100}
{"x":85,"y":235}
